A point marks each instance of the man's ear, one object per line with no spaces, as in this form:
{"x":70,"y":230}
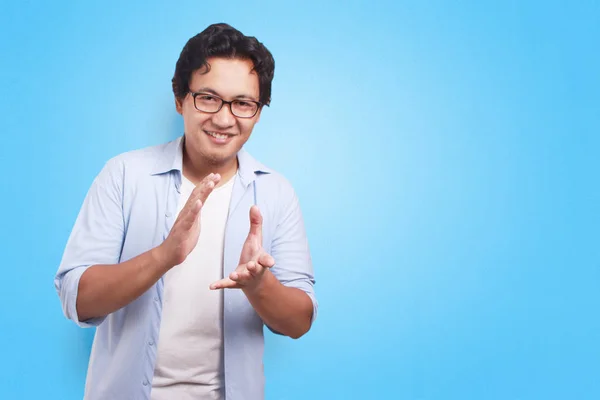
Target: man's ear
{"x":178,"y":105}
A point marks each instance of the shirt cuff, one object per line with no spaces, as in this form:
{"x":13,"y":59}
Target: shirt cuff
{"x":307,"y":288}
{"x":68,"y":293}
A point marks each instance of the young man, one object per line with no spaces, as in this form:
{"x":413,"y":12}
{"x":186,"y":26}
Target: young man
{"x":182,"y":252}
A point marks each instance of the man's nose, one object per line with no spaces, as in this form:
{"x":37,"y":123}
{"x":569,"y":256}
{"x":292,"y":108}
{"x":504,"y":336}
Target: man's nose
{"x":224,"y":118}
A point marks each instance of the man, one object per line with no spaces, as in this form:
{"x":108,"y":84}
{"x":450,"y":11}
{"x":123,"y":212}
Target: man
{"x":182,"y":252}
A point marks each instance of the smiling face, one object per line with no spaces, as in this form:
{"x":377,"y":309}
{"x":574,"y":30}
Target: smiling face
{"x":214,"y":139}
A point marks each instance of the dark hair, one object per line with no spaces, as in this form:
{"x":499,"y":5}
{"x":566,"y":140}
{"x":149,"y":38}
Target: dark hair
{"x":222,"y":40}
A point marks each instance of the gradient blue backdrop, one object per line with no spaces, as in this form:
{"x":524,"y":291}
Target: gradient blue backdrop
{"x":445,"y":155}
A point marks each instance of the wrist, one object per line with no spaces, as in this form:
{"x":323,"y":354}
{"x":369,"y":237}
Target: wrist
{"x":160,"y":259}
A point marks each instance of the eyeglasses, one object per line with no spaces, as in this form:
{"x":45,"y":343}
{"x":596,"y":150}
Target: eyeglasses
{"x":210,"y":103}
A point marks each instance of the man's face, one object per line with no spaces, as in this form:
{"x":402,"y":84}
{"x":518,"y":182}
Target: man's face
{"x":228,"y":79}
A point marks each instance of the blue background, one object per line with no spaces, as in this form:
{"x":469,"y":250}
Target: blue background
{"x":446,"y":159}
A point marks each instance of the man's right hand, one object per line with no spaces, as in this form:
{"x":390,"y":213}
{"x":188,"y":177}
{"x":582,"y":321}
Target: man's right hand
{"x":185,"y":232}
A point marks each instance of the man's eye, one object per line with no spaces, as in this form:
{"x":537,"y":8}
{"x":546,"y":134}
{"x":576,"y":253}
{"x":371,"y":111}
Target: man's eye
{"x":207,"y":98}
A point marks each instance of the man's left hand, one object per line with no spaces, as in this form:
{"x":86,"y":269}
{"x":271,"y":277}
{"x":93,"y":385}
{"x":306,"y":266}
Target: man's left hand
{"x":254,"y":261}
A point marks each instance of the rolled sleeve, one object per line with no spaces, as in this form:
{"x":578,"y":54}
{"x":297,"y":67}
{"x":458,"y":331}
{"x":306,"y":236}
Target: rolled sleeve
{"x":96,"y":238}
{"x":308,"y":288}
{"x":293,"y":264}
{"x":67,"y":287}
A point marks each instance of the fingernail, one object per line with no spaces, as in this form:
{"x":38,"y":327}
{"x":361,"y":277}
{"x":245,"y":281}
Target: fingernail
{"x":211,"y":184}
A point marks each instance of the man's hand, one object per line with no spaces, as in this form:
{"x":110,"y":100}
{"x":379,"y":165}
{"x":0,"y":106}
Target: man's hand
{"x":286,"y":310}
{"x":253,"y":260}
{"x":184,"y":235}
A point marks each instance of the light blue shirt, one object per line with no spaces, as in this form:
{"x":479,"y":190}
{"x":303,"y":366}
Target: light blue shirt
{"x":130,"y":209}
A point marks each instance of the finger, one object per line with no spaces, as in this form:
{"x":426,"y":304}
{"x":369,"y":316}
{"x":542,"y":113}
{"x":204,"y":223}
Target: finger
{"x":256,"y":221}
{"x":241,"y":277}
{"x":190,"y":207}
{"x":207,"y":186}
{"x":253,"y":268}
{"x":192,"y":216}
{"x":214,"y":177}
{"x":224,"y":284}
{"x":210,"y":177}
{"x":204,"y":189}
{"x":196,"y":192}
{"x":195,"y":202}
{"x":266,"y":260}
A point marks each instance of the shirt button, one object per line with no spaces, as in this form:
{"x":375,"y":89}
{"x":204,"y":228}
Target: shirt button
{"x":168,"y":214}
{"x":155,"y":298}
{"x":145,"y":383}
{"x":151,"y":343}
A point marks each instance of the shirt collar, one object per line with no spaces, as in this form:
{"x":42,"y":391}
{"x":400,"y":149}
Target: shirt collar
{"x":171,"y":159}
{"x":249,"y":167}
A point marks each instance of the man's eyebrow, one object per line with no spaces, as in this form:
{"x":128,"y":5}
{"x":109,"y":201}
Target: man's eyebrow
{"x":239,"y":96}
{"x":207,"y":90}
{"x":246,"y":97}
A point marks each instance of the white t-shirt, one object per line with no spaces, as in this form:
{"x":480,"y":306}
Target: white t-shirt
{"x":189,"y":363}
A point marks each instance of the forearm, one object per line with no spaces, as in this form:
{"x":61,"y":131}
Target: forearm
{"x":104,"y":289}
{"x":284,"y":309}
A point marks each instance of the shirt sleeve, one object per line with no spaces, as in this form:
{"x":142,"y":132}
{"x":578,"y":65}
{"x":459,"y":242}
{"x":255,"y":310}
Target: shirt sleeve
{"x":290,"y":249}
{"x":96,"y":238}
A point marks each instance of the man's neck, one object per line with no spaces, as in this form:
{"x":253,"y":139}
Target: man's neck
{"x":196,"y":169}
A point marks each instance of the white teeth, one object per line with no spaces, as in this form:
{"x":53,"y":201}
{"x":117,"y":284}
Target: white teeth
{"x":217,"y":135}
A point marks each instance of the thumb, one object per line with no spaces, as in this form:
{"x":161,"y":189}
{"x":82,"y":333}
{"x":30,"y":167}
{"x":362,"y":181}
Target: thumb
{"x":256,"y":221}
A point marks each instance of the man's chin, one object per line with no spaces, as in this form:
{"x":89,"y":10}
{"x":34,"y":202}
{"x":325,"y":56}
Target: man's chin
{"x":218,"y":158}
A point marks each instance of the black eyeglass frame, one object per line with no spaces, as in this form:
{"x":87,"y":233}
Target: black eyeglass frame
{"x":223,"y":102}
